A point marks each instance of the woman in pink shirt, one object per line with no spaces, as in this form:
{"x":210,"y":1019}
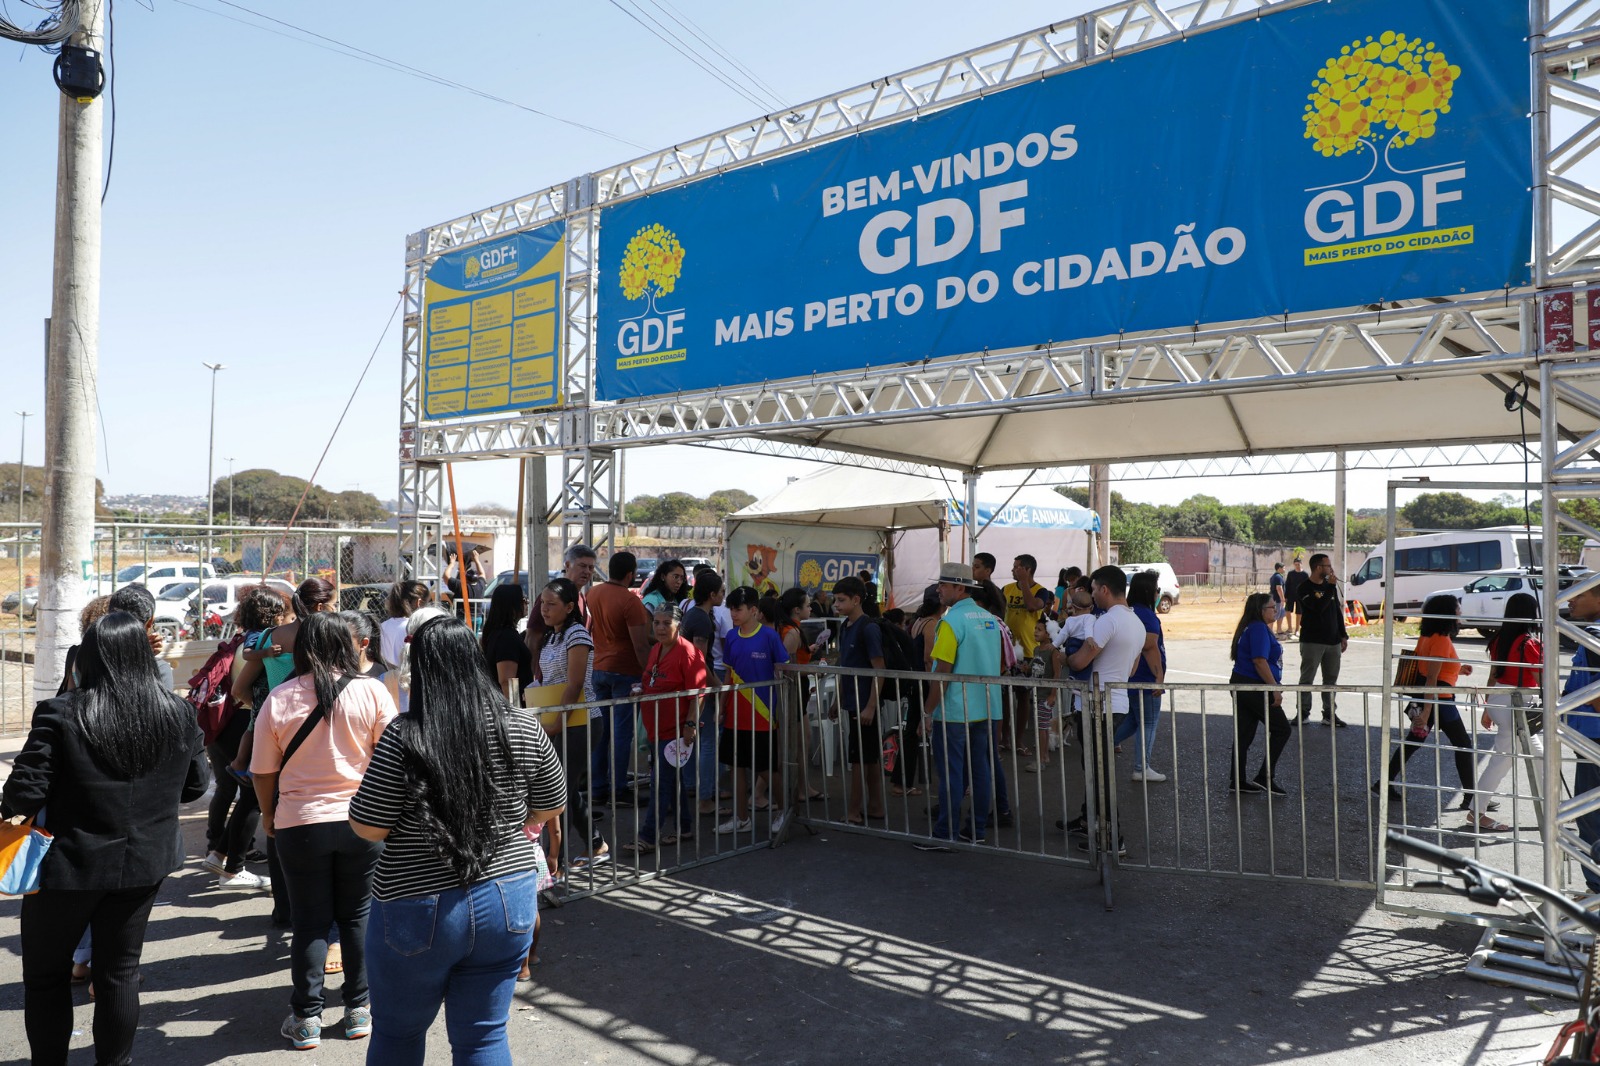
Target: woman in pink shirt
{"x":315,"y":735}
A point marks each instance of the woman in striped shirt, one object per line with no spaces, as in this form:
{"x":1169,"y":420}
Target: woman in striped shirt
{"x":451,"y":790}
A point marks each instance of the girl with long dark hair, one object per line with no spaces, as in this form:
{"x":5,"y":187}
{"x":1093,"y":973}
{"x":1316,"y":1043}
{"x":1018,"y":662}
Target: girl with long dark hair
{"x":566,"y":659}
{"x":452,"y":790}
{"x":315,"y":736}
{"x":506,"y":652}
{"x":405,"y":599}
{"x":665,"y":586}
{"x":1515,"y":676}
{"x":111,"y":760}
{"x":369,"y":644}
{"x":1257,"y":660}
{"x":1441,"y":667}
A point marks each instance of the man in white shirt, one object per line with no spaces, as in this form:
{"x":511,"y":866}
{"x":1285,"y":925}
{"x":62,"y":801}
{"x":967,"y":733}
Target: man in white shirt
{"x":1118,"y":636}
{"x":1112,"y":650}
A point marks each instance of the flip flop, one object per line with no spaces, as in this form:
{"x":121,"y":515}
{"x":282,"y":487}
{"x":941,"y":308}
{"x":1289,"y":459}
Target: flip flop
{"x":640,"y":847}
{"x":1488,"y":825}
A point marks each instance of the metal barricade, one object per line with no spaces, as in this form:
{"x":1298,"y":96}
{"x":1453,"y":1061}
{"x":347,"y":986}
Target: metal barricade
{"x":636,"y":830}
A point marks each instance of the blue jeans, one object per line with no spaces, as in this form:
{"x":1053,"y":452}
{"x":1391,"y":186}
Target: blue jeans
{"x":613,"y":742}
{"x":1144,"y":705}
{"x":1002,"y":800}
{"x":706,"y":769}
{"x":961,"y":758}
{"x":667,"y":784}
{"x":461,"y":948}
{"x":1586,"y":779}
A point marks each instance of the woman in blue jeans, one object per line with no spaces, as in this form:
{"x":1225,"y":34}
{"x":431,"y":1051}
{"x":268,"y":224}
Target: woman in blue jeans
{"x":1144,"y":704}
{"x":453,"y":790}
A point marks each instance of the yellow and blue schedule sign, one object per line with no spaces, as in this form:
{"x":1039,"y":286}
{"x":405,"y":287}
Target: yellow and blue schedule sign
{"x":493,"y":326}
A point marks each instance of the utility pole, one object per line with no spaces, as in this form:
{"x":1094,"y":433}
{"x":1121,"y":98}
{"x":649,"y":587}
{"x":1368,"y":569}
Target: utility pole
{"x":229,"y":460}
{"x":72,"y":367}
{"x":1100,"y":503}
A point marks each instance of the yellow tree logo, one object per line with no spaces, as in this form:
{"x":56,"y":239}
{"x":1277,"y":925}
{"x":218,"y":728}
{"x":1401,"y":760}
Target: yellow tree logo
{"x":472,"y":267}
{"x":1391,"y":85}
{"x":651,"y":264}
{"x":810,"y":574}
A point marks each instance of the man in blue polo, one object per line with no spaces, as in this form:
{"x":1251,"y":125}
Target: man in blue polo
{"x":1586,"y":720}
{"x":957,"y":714}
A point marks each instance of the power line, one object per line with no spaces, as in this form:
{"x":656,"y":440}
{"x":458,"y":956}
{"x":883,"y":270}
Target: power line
{"x":355,"y":52}
{"x":705,"y":38}
{"x":677,"y":44}
{"x":53,"y":29}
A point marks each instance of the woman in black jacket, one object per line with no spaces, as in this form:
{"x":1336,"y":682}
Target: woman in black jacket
{"x":108,"y":764}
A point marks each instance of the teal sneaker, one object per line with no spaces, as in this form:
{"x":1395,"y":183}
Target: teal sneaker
{"x":357,"y":1022}
{"x":304,"y":1033}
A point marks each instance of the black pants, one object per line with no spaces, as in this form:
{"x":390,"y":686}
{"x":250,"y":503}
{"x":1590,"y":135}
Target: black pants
{"x":574,"y":745}
{"x":52,"y":924}
{"x":329,"y":870}
{"x":230,"y":826}
{"x":1455,"y":730}
{"x":1251,"y":710}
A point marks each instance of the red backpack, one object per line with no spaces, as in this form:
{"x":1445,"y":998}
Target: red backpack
{"x":210,"y":691}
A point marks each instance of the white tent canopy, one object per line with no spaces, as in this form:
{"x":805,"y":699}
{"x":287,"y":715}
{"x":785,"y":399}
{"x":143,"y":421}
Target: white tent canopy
{"x":858,"y":498}
{"x":843,"y":519}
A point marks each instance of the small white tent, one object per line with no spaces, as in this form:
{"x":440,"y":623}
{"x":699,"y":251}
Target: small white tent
{"x":842,"y":520}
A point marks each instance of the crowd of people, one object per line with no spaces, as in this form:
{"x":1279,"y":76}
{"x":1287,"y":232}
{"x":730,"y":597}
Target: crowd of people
{"x":418,"y":784}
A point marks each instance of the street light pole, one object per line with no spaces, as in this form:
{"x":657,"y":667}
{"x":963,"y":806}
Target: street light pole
{"x":211,"y":446}
{"x":22,"y":469}
{"x":229,"y":460}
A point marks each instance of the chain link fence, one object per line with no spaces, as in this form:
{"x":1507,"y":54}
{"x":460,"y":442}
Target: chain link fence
{"x":174,"y":562}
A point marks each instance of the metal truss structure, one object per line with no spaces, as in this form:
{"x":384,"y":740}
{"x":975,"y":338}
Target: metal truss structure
{"x":1509,"y":341}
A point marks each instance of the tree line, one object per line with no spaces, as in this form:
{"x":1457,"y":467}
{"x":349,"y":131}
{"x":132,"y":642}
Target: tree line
{"x":1299,"y":522}
{"x":683,"y":509}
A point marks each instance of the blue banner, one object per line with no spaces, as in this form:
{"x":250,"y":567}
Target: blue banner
{"x":1328,"y":156}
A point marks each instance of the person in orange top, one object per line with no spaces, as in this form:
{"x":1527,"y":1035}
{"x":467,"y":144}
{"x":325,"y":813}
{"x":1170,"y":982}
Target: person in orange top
{"x":674,"y":665}
{"x":1441,"y":668}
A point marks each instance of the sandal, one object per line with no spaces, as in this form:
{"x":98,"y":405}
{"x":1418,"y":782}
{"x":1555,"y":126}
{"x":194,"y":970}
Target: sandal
{"x":639,"y":847}
{"x":335,"y":963}
{"x":1485,"y":824}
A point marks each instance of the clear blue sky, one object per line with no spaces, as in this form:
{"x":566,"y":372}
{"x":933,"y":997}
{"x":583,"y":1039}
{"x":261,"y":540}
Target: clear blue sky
{"x":263,"y":187}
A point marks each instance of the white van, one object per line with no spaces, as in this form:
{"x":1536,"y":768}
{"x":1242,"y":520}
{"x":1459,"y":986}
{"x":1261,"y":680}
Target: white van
{"x":1441,"y":562}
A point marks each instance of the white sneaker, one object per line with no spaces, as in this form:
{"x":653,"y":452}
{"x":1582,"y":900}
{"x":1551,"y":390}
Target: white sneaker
{"x":244,"y":881}
{"x":1149,"y":775}
{"x":215,"y":861}
{"x":733,"y":825}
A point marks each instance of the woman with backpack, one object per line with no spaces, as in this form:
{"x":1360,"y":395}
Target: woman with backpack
{"x":234,"y":814}
{"x":315,"y":736}
{"x":449,"y":793}
{"x":110,"y":761}
{"x":1517,"y":660}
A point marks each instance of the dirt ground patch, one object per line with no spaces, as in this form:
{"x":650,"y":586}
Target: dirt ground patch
{"x":1208,"y":617}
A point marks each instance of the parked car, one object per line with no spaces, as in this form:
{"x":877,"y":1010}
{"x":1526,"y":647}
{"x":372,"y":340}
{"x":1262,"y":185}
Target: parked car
{"x":1168,"y":590}
{"x":1441,"y":562}
{"x":158,"y":577}
{"x":506,"y":577}
{"x":647,"y":568}
{"x":25,"y":603}
{"x":1483,"y":602}
{"x":177,"y":606}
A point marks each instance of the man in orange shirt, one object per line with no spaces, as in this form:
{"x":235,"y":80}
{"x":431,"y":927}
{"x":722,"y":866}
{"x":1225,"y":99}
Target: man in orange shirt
{"x":620,"y":626}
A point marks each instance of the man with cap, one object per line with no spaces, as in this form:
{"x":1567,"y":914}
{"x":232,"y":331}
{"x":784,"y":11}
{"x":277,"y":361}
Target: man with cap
{"x":957,"y":716}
